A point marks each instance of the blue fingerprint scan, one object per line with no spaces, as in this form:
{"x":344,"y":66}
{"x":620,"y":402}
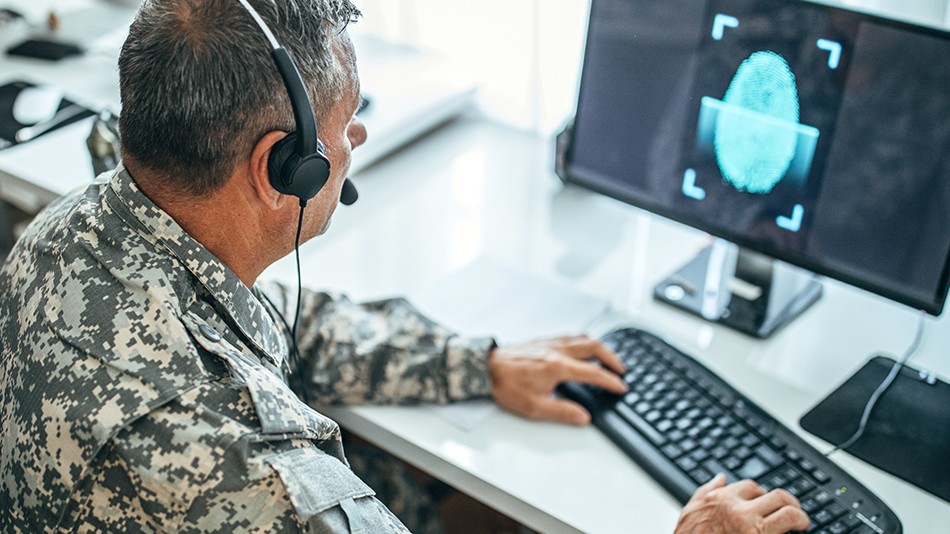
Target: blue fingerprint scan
{"x":757,"y":125}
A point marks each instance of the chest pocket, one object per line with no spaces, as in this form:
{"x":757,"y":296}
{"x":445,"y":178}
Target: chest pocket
{"x":279,"y":409}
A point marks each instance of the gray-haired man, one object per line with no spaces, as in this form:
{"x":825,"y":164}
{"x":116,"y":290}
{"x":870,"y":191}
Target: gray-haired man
{"x":144,"y":381}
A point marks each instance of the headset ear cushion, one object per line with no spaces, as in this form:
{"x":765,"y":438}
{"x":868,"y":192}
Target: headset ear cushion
{"x":280,"y":153}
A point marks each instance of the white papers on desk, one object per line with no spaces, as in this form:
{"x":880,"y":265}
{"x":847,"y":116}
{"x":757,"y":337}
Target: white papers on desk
{"x":487,"y":298}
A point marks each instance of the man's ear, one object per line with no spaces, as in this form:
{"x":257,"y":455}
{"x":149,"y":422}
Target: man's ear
{"x":259,"y":177}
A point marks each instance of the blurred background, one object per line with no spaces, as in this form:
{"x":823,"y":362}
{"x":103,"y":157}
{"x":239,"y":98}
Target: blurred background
{"x":526,"y":54}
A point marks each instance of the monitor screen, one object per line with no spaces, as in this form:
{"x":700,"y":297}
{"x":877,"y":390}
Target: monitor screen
{"x":816,"y":135}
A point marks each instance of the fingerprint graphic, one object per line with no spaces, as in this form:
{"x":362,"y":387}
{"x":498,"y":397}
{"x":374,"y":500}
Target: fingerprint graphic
{"x":755,"y":134}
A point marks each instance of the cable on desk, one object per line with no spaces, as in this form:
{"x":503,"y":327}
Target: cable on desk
{"x":891,"y":376}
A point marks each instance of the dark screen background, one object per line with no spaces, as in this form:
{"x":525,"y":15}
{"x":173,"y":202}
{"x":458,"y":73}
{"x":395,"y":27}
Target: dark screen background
{"x":877,"y":198}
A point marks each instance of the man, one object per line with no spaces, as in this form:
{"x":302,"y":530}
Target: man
{"x":145,"y":382}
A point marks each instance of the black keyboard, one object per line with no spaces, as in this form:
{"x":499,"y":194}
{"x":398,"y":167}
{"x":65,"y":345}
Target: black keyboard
{"x":683,"y":424}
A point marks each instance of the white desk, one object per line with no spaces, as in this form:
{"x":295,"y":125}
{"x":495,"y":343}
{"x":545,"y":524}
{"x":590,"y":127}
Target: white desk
{"x":475,"y":189}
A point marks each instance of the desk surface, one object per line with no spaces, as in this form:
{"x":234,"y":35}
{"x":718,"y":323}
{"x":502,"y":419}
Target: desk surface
{"x":473,"y":190}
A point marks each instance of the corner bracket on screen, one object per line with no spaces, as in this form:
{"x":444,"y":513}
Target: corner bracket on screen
{"x":690,"y":188}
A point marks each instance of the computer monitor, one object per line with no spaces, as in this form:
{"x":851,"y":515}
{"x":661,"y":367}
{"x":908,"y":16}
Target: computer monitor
{"x":800,"y":132}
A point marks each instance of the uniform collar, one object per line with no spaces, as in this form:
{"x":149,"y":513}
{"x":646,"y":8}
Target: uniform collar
{"x":237,"y":300}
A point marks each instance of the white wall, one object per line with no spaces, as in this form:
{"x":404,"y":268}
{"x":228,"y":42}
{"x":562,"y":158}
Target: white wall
{"x":933,"y":12}
{"x":527,"y":53}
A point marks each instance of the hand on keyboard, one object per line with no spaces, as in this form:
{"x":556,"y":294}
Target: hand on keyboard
{"x":524,"y":376}
{"x":682,"y":424}
{"x":740,"y":508}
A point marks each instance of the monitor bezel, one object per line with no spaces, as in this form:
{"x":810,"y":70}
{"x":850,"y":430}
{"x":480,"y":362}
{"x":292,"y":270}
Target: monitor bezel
{"x":570,"y":174}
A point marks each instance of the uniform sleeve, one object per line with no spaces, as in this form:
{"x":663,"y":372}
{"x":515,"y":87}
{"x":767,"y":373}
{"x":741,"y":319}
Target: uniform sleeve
{"x":185,"y":468}
{"x":382,"y":352}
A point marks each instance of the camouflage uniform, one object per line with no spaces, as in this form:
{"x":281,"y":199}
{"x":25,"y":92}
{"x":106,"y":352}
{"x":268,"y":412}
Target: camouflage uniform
{"x":144,"y":387}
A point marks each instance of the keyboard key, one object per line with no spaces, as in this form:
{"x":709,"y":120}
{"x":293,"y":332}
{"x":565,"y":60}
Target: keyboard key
{"x":664,"y":425}
{"x":743,"y":452}
{"x":823,"y":498}
{"x":701,"y":476}
{"x":688,"y":445}
{"x":750,"y":441}
{"x":732,"y":463}
{"x":672,"y":451}
{"x":687,"y":464}
{"x":835,"y":509}
{"x":775,"y":481}
{"x":791,"y":474}
{"x":642,"y":426}
{"x":801,"y":487}
{"x":820,"y":476}
{"x":754,"y":468}
{"x":715,"y":467}
{"x":822,"y":518}
{"x":810,"y":506}
{"x":737,"y":431}
{"x":720,"y":453}
{"x":769,"y":456}
{"x":778,"y":443}
{"x":851,"y":521}
{"x":699,"y":455}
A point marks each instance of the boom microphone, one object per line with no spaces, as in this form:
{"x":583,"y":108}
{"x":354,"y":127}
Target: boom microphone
{"x":348,"y":194}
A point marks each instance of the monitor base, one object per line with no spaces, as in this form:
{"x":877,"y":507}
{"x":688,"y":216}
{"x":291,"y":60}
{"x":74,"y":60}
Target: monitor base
{"x":741,"y":289}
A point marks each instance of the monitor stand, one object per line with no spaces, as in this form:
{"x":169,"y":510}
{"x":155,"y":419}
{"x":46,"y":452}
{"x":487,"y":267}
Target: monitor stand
{"x":744,"y":290}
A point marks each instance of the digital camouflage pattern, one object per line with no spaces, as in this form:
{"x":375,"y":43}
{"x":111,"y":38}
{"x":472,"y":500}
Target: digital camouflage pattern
{"x":143,"y":387}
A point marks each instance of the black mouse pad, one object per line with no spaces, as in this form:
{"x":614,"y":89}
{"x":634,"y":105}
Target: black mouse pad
{"x":908,"y":433}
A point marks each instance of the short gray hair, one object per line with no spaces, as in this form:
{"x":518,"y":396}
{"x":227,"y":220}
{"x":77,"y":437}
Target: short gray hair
{"x":199,"y":87}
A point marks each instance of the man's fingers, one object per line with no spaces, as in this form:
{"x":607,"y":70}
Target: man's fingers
{"x":562,"y":411}
{"x":786,"y":519}
{"x":772,"y":501}
{"x":747,"y":489}
{"x":589,"y":373}
{"x":583,"y":348}
{"x":715,"y":482}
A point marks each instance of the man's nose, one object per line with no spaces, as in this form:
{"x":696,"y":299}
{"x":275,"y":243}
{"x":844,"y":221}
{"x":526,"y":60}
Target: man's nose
{"x":356,"y":132}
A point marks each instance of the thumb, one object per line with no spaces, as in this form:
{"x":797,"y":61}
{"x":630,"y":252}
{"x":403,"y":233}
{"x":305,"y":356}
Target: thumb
{"x":563,"y":411}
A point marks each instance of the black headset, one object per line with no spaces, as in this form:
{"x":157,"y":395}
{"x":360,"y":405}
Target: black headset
{"x":298,"y":164}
